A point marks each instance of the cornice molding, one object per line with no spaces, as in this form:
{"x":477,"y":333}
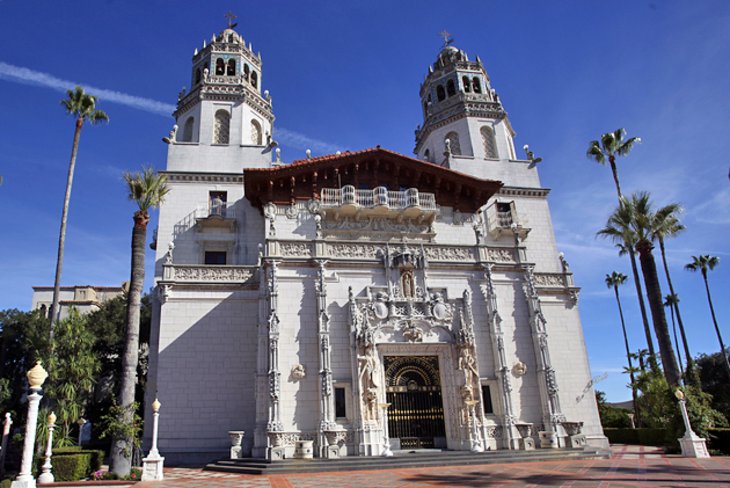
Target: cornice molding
{"x":192,"y":177}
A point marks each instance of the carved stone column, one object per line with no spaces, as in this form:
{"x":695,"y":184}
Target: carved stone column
{"x":327,"y":408}
{"x":553,"y":435}
{"x":274,"y":423}
{"x":500,"y":359}
{"x":471,"y":391}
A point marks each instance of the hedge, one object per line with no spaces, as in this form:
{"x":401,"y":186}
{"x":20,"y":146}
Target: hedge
{"x":73,"y":463}
{"x":642,"y":437}
{"x":719,"y":440}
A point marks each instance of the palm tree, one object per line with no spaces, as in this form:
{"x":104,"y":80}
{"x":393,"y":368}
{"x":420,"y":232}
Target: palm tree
{"x":83,"y":107}
{"x":667,"y":224}
{"x":611,"y":145}
{"x":642,"y":220}
{"x":669,"y":302}
{"x":639,"y":356}
{"x":614,"y":280}
{"x":147,"y":190}
{"x":619,"y":229}
{"x":703,"y":264}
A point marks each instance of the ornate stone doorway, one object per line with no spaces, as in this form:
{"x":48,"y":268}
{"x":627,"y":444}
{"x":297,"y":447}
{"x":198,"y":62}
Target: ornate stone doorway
{"x":416,"y":412}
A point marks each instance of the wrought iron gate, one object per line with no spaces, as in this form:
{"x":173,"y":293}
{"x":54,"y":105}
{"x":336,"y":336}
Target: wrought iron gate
{"x":413,"y":388}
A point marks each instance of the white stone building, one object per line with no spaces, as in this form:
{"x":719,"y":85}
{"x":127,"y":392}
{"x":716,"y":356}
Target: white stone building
{"x":307,"y":301}
{"x":85,"y":298}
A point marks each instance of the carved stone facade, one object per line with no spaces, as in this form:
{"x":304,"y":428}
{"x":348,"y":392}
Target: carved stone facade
{"x":339,"y":308}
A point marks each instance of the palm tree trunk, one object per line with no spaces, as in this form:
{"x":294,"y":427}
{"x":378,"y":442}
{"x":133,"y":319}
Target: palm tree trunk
{"x":122,"y":451}
{"x":676,"y":342}
{"x":642,"y":307}
{"x":654,"y":295}
{"x":614,"y":172}
{"x":62,"y":232}
{"x":723,"y":352}
{"x":628,"y":357}
{"x":692,"y":375}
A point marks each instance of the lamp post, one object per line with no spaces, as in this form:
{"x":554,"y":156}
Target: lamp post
{"x":46,"y":475}
{"x":36,"y":376}
{"x":692,"y":444}
{"x":152,"y":465}
{"x":476,"y":443}
{"x":4,"y":445}
{"x":386,"y":438}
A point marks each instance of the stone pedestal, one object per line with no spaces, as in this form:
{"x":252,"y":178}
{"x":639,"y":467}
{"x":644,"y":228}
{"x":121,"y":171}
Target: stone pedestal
{"x":693,"y":446}
{"x":236,"y":437}
{"x":276,"y":453}
{"x":152,"y":468}
{"x":304,"y":450}
{"x":576,"y":441}
{"x":332,"y":452}
{"x":526,"y":441}
{"x":548,"y":440}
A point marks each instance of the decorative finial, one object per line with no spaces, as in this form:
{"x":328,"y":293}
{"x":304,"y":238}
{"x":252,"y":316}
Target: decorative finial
{"x":278,"y":154}
{"x":156,"y":406}
{"x":308,"y":152}
{"x":446,"y":37}
{"x":230,"y":16}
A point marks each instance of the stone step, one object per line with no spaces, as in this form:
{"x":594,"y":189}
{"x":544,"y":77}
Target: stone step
{"x":400,"y":460}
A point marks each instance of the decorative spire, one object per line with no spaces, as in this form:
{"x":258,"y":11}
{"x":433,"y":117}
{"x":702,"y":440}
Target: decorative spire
{"x":446,"y":37}
{"x":230,"y":16}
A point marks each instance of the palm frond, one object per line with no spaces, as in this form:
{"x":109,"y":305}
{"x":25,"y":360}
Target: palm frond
{"x":147,"y":189}
{"x":594,"y":152}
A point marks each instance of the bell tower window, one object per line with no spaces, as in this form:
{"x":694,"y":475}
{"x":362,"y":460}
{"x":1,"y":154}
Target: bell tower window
{"x":440,"y":93}
{"x":454,"y":143}
{"x":256,"y":133}
{"x":198,"y":76}
{"x":221,"y":129}
{"x":427,"y":155}
{"x":220,"y":67}
{"x":451,"y":88}
{"x":476,"y":85}
{"x":467,"y":85}
{"x":187,"y":135}
{"x":246,"y":71}
{"x":254,"y":79}
{"x":231,"y":68}
{"x":490,"y":143}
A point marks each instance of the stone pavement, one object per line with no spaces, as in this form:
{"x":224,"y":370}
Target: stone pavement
{"x":629,"y":466}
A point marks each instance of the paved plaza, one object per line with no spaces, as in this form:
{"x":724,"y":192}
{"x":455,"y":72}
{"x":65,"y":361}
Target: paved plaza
{"x":628,"y":466}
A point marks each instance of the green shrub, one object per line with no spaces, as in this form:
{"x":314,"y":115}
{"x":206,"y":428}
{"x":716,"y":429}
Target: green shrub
{"x":719,"y":440}
{"x":71,"y":467}
{"x":642,"y":437}
{"x":6,"y":483}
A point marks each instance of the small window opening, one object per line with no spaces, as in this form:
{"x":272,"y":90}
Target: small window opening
{"x":487,"y":399}
{"x":221,"y":129}
{"x":340,"y":404}
{"x":257,"y":137}
{"x":489,"y":141}
{"x":454,"y":143}
{"x":246,"y":71}
{"x":476,"y":85}
{"x":220,"y":67}
{"x":215,"y":257}
{"x":231,"y":68}
{"x":466,"y":83}
{"x":187,"y":135}
{"x":440,"y":93}
{"x":254,"y":79}
{"x":450,"y":88}
{"x":427,"y":155}
{"x":198,"y":76}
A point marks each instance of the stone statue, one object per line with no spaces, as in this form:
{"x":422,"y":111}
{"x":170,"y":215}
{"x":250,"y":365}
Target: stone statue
{"x":467,"y":364}
{"x":369,"y":368}
{"x":407,"y":284}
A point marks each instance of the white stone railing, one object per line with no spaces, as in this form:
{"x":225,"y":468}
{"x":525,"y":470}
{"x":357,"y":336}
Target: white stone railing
{"x":379,"y":196}
{"x":221,"y":211}
{"x":196,"y":273}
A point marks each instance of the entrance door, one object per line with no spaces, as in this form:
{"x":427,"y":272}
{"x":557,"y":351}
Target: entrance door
{"x":416,"y":413}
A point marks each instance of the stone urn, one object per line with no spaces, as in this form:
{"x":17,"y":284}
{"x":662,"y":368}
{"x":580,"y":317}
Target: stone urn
{"x":36,"y":376}
{"x":236,"y":437}
{"x":331,"y":436}
{"x":276,"y":439}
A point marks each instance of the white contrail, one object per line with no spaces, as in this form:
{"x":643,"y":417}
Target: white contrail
{"x":26,"y":76}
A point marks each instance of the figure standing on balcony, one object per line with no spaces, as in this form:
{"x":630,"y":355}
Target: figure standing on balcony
{"x":216,"y":206}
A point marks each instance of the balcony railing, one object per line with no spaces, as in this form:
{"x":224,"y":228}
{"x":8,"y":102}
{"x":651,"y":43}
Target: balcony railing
{"x":378,"y":197}
{"x":216,"y":210}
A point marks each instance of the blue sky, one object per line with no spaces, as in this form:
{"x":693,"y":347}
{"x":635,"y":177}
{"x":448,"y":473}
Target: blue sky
{"x":345,"y":75}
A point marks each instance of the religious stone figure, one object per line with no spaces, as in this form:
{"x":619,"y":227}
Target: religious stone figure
{"x":369,"y":368}
{"x":408,"y":285}
{"x":467,"y":364}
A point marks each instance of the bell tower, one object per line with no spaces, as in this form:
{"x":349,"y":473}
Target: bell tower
{"x":465,"y":126}
{"x":224,"y":122}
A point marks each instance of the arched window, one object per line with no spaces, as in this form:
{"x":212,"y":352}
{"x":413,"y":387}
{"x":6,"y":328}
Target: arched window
{"x":453,"y":139}
{"x":220,"y":67}
{"x":245,"y":72}
{"x":450,"y":88}
{"x":490,"y":143}
{"x":466,"y":83}
{"x":221,"y":128}
{"x":198,"y":76}
{"x":476,"y":86}
{"x":427,"y":155}
{"x":257,"y":136}
{"x":187,"y":135}
{"x":231,"y":69}
{"x":440,"y":93}
{"x":254,"y":79}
